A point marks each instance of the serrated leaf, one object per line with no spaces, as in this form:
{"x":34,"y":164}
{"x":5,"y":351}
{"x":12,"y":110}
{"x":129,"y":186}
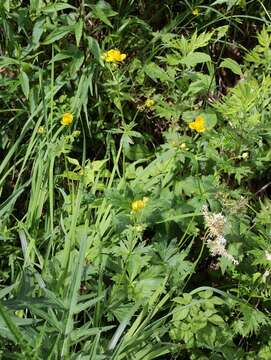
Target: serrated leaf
{"x":222,"y":31}
{"x":232,"y":65}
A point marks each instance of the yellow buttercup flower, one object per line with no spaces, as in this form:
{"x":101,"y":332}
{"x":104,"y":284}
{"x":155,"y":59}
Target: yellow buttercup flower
{"x":41,"y":130}
{"x":137,"y":205}
{"x":67,"y":119}
{"x":114,"y":55}
{"x":198,"y":124}
{"x":195,"y":12}
{"x":149,"y":103}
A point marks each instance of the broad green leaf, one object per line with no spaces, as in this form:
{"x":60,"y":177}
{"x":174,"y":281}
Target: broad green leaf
{"x":155,"y":72}
{"x":6,"y":4}
{"x":24,"y":81}
{"x":73,"y":161}
{"x":232,"y":65}
{"x":195,"y":58}
{"x":207,"y":294}
{"x":103,"y":11}
{"x":217,"y":320}
{"x":210,"y":119}
{"x":58,"y":34}
{"x":78,"y":29}
{"x":94,"y":47}
{"x":37,"y":30}
{"x":6,"y":61}
{"x":57,"y":7}
{"x":71,"y":175}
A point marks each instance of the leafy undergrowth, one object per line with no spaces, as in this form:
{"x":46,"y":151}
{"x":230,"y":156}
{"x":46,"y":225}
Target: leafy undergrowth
{"x":135,"y":180}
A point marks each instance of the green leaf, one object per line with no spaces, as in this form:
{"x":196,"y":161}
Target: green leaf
{"x":94,"y":47}
{"x":24,"y":81}
{"x":222,"y":31}
{"x":102,"y":11}
{"x":138,"y":151}
{"x":206,"y":294}
{"x":155,"y":72}
{"x":37,"y":31}
{"x":232,"y":65}
{"x":11,"y":325}
{"x":58,"y":34}
{"x":73,"y":161}
{"x":195,"y":58}
{"x":210,"y":119}
{"x":181,"y":313}
{"x":71,"y":175}
{"x":230,"y":3}
{"x":57,"y":7}
{"x":216,"y":319}
{"x":78,"y":29}
{"x":6,"y":61}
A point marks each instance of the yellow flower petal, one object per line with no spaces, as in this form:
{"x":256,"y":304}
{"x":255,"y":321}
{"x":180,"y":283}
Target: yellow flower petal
{"x":137,"y":205}
{"x":67,"y":119}
{"x":198,"y":124}
{"x":114,"y":55}
{"x":195,"y":12}
{"x":123,"y":57}
{"x":149,"y":103}
{"x":41,"y":130}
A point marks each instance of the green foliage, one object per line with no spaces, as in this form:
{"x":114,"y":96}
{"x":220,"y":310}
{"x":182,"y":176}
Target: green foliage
{"x":140,"y":230}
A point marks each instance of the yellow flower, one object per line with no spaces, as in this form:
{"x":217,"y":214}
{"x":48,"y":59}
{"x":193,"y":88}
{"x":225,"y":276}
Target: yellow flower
{"x":198,"y":124}
{"x":41,"y":130}
{"x":137,"y":205}
{"x":195,"y":12}
{"x":183,"y":146}
{"x":67,"y":119}
{"x":149,"y":103}
{"x":114,"y":55}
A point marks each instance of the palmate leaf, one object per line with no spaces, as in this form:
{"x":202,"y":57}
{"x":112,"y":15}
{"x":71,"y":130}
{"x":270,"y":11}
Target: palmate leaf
{"x":251,"y":320}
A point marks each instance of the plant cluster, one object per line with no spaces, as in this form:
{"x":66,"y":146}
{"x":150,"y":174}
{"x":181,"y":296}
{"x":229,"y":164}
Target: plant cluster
{"x":135,"y":180}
